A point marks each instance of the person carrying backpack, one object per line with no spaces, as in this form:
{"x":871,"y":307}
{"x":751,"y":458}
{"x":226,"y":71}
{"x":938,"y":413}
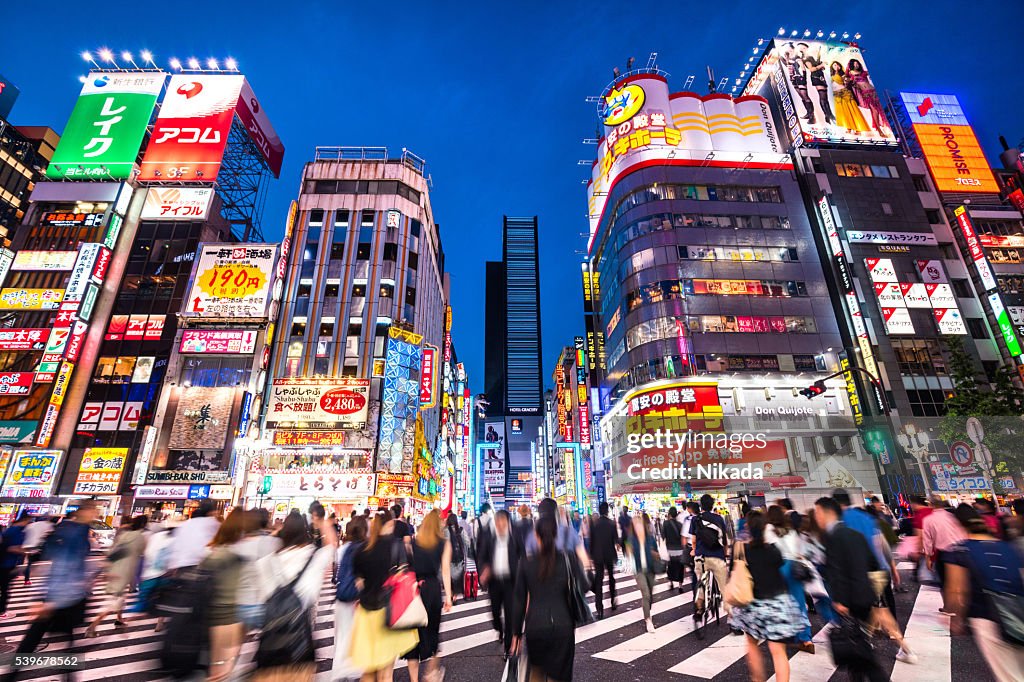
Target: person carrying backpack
{"x":346,"y":595}
{"x":672,"y":531}
{"x":460,"y":545}
{"x":291,"y":580}
{"x":986,"y":591}
{"x":708,"y":549}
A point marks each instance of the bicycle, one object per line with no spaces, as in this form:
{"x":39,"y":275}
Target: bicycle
{"x":710,"y":593}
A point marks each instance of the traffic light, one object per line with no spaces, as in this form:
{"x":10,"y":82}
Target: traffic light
{"x":814,"y":390}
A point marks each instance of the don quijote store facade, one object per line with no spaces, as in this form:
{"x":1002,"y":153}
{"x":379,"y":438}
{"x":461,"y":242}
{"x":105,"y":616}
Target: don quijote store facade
{"x":105,"y":258}
{"x":712,"y":305}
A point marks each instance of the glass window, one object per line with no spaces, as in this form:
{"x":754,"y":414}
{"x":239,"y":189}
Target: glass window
{"x":387,"y":290}
{"x":363,"y":252}
{"x":299,"y":328}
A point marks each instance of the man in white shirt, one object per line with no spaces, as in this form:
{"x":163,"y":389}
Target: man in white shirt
{"x":191,"y":540}
{"x":35,"y":536}
{"x":498,"y":556}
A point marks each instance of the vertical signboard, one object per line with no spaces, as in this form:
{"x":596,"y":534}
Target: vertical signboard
{"x":103,"y":135}
{"x":1005,"y":325}
{"x":428,"y":389}
{"x":191,"y":132}
{"x":263,"y":135}
{"x":974,"y":248}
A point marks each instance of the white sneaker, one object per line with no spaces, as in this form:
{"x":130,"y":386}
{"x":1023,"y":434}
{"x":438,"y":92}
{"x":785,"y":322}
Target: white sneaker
{"x":906,"y":656}
{"x":650,"y":625}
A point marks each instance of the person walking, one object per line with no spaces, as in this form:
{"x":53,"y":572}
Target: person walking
{"x":122,"y":567}
{"x":300,"y":564}
{"x":192,"y":538}
{"x":524,"y":525}
{"x":498,"y":559}
{"x":13,"y":553}
{"x":625,"y":526}
{"x":256,"y":543}
{"x":979,"y":565}
{"x":604,"y":537}
{"x":848,"y":558}
{"x":346,"y":595}
{"x":458,"y":541}
{"x":940,"y":534}
{"x":374,"y":646}
{"x":431,"y":559}
{"x":69,"y":584}
{"x":709,"y":550}
{"x":777,"y":532}
{"x":541,"y":606}
{"x":774,"y":615}
{"x":672,"y":531}
{"x":35,"y":536}
{"x":225,"y":567}
{"x":643,"y":552}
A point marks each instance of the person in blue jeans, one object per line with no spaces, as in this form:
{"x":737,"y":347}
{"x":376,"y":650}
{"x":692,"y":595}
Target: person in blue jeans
{"x":13,"y":555}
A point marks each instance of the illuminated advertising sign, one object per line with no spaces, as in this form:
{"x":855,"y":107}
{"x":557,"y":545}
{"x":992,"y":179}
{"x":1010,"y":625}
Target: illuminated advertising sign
{"x":889,"y":295}
{"x":693,"y":398}
{"x":16,"y":383}
{"x":877,"y":237}
{"x":584,"y":411}
{"x":977,"y":253}
{"x":949,"y":321}
{"x":428,"y":389}
{"x":834,"y":242}
{"x":232,"y":341}
{"x":954,"y":157}
{"x":110,"y":416}
{"x":201,"y":419}
{"x":16,"y":432}
{"x":31,"y":473}
{"x":897,"y":321}
{"x":82,"y":271}
{"x":309,"y":438}
{"x":44,"y":260}
{"x":881,"y":269}
{"x":1005,"y":325}
{"x":342,"y":486}
{"x":940,"y":295}
{"x":343,"y":400}
{"x":851,"y":389}
{"x":6,"y":260}
{"x":262,"y":133}
{"x":494,"y":454}
{"x":399,"y":404}
{"x":931,"y":271}
{"x":31,"y":299}
{"x":231,"y":281}
{"x":644,"y":124}
{"x":100,"y":471}
{"x":191,"y":132}
{"x":915,"y":295}
{"x":831,"y":94}
{"x":71,"y":219}
{"x":861,"y":330}
{"x":162,"y":492}
{"x":177,"y":203}
{"x":102,"y":138}
{"x":23,"y":339}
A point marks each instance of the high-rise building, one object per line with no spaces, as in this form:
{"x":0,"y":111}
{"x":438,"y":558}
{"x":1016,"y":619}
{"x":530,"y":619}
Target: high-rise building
{"x":712,"y":302}
{"x":364,"y":315}
{"x":512,"y":361}
{"x":24,"y":153}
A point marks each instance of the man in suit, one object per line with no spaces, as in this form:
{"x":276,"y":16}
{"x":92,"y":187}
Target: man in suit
{"x":603,"y":537}
{"x":498,"y":555}
{"x":848,"y":558}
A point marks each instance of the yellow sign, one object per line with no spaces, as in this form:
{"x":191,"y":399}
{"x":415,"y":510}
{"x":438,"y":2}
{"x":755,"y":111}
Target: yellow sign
{"x":31,"y":299}
{"x":405,"y":335}
{"x":100,"y":471}
{"x":623,"y":104}
{"x":232,"y":281}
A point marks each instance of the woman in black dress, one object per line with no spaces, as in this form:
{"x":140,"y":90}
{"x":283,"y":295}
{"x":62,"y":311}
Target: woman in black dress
{"x":431,"y":561}
{"x":550,"y":630}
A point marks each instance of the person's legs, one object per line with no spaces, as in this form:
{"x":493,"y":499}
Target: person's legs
{"x":645,"y":593}
{"x":1005,"y":661}
{"x":598,"y":588}
{"x":507,"y":595}
{"x":699,"y":596}
{"x":610,"y":569}
{"x":6,"y":576}
{"x":414,"y":669}
{"x":721,"y":573}
{"x":225,"y":643}
{"x":495,"y":594}
{"x":754,"y":662}
{"x":780,"y":660}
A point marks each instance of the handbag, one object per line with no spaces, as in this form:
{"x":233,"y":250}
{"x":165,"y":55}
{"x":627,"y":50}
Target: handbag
{"x":879,"y":581}
{"x":404,"y":609}
{"x":1009,"y":611}
{"x":578,"y":607}
{"x":739,"y":591}
{"x":850,"y":644}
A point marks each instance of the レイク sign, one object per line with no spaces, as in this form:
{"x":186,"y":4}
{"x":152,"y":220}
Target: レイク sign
{"x":103,"y":135}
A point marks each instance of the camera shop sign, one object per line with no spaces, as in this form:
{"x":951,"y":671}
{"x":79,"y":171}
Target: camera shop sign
{"x":172,"y":476}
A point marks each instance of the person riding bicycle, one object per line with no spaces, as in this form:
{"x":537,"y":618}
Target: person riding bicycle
{"x":708,"y":547}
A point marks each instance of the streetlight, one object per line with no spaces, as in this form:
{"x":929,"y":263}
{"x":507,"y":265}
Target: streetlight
{"x":916,"y":443}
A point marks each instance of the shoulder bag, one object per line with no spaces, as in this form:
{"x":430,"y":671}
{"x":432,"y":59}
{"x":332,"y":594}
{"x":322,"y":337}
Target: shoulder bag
{"x":578,"y":607}
{"x":404,"y":606}
{"x":739,"y":591}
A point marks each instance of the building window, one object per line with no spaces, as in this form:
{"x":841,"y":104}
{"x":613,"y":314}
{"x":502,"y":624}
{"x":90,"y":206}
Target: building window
{"x":337,"y":251}
{"x":358,"y":291}
{"x":363,"y":252}
{"x":919,"y":357}
{"x":410,"y":295}
{"x":920,"y":184}
{"x":316,"y":217}
{"x":976,"y":327}
{"x":366,"y":219}
{"x":331,"y":290}
{"x":948,"y":251}
{"x":961,"y":288}
{"x":387,"y":290}
{"x":341,"y":219}
{"x":886,"y":208}
{"x":326,"y":329}
{"x":303,"y":290}
{"x":321,"y":366}
{"x":390,"y":252}
{"x":414,"y":261}
{"x":414,"y":228}
{"x":299,"y":328}
{"x":925,"y":403}
{"x":934,"y":217}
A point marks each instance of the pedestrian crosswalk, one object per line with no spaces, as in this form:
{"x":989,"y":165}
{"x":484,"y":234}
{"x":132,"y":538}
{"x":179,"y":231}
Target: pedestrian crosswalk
{"x":617,"y":642}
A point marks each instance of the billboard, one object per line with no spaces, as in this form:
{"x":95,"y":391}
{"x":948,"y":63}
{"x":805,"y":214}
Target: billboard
{"x":344,"y":486}
{"x":400,"y":401}
{"x":100,"y":471}
{"x":44,"y":260}
{"x":191,"y":132}
{"x":428,"y":389}
{"x":829,"y":91}
{"x":950,"y":148}
{"x":974,"y":248}
{"x":177,"y":203}
{"x":31,"y":473}
{"x":23,"y":339}
{"x":232,"y":341}
{"x":343,"y":400}
{"x":263,"y":135}
{"x":231,"y":281}
{"x":201,"y":420}
{"x":494,"y":455}
{"x":103,"y":135}
{"x":31,"y":299}
{"x":1005,"y":325}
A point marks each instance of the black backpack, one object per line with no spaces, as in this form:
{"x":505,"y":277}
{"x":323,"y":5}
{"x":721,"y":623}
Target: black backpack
{"x":287,"y":636}
{"x":184,"y":601}
{"x":708,"y":533}
{"x":458,"y":550}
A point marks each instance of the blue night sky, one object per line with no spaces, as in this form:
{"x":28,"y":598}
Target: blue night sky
{"x":492,"y":94}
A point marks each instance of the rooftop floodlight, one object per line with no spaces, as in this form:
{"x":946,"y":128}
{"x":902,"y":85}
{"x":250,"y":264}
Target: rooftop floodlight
{"x":794,"y":34}
{"x":175,"y":64}
{"x":147,"y":56}
{"x":87,"y":56}
{"x":231,"y":64}
{"x":760,"y":41}
{"x":782,"y":31}
{"x":845,"y":35}
{"x":211,"y":63}
{"x":106,"y":55}
{"x":807,"y":33}
{"x":856,"y":36}
{"x":81,"y":79}
{"x":127,"y":56}
{"x":193,"y":63}
{"x":821,"y":34}
{"x":832,"y":34}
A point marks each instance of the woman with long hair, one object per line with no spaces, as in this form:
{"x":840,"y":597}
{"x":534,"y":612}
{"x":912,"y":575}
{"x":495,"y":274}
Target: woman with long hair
{"x":643,"y":551}
{"x":773,"y":615}
{"x":225,"y":568}
{"x":790,"y":545}
{"x":431,"y":561}
{"x":344,"y":606}
{"x":299,"y":562}
{"x":122,"y":564}
{"x":848,"y":114}
{"x":542,"y":604}
{"x":374,"y":646}
{"x":459,"y":545}
{"x":866,"y":95}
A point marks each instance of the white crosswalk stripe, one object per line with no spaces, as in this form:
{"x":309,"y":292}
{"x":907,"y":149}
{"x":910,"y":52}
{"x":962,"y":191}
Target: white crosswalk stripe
{"x":618,"y":639}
